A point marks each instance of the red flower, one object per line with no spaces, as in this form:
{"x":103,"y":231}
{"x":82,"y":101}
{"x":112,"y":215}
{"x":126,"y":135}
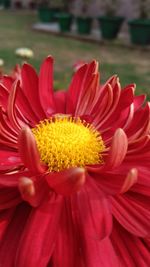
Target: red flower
{"x":74,"y":172}
{"x":78,"y":64}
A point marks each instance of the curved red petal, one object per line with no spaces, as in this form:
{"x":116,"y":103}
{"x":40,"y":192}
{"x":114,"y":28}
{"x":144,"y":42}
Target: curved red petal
{"x":60,"y":101}
{"x":113,"y":183}
{"x":33,"y":190}
{"x":5,"y":219}
{"x":40,"y":240}
{"x":97,"y":254}
{"x":28,"y":151}
{"x":4,"y":93}
{"x":130,"y":180}
{"x":11,"y":109}
{"x":10,"y":197}
{"x":9,"y":160}
{"x":92,"y":212}
{"x":30,"y":89}
{"x":46,"y":86}
{"x":132,"y":215}
{"x":68,"y":249}
{"x":68,"y":181}
{"x":118,"y":150}
{"x":131,"y":250}
{"x":12,"y":235}
{"x":75,"y":88}
{"x":10,"y":179}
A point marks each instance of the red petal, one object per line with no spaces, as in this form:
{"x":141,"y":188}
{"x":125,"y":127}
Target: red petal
{"x":132,"y":215}
{"x":9,"y":160}
{"x":75,"y":88}
{"x":139,"y":101}
{"x":4,"y":93}
{"x":35,"y":191}
{"x":143,"y":184}
{"x":11,"y":109}
{"x":7,"y":81}
{"x":116,"y":154}
{"x":11,"y":179}
{"x":60,"y":100}
{"x":46,"y":86}
{"x":103,"y":104}
{"x":131,"y":251}
{"x":5,"y":218}
{"x":87,"y":97}
{"x":115,"y":183}
{"x":92,"y":212}
{"x":97,"y":254}
{"x":28,"y":151}
{"x":26,"y":107}
{"x":9,"y":192}
{"x":87,"y":89}
{"x":118,"y":149}
{"x":40,"y":234}
{"x":10,"y":197}
{"x":67,"y":182}
{"x":140,"y":124}
{"x":30,"y":89}
{"x":7,"y":133}
{"x":130,"y":180}
{"x":112,"y":98}
{"x":12,"y":236}
{"x":68,"y":251}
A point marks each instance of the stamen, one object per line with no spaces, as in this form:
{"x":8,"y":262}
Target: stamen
{"x":65,"y":142}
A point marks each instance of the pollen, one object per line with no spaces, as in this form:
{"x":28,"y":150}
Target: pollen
{"x":64,"y":142}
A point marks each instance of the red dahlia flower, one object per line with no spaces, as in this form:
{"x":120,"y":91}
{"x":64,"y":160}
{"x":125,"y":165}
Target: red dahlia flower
{"x":74,"y":172}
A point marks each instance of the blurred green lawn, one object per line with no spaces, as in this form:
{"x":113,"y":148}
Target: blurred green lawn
{"x":131,"y":65}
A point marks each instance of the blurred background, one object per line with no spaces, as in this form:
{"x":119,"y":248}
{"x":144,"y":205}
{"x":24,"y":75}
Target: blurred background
{"x":118,"y":37}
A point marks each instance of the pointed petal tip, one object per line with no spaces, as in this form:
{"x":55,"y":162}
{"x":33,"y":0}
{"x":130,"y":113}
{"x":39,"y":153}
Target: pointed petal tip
{"x":95,"y":64}
{"x":118,"y":149}
{"x":29,"y":152}
{"x":24,"y":134}
{"x":26,"y":187}
{"x":119,"y":131}
{"x":31,"y":191}
{"x":25,"y":65}
{"x":68,"y":181}
{"x":130,"y":180}
{"x":49,"y":58}
{"x":120,"y":135}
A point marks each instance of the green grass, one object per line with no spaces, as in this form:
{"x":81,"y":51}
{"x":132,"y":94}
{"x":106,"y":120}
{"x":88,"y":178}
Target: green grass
{"x":131,"y":65}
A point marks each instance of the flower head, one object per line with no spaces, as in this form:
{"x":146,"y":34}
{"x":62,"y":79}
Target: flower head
{"x":74,"y":171}
{"x":1,"y":62}
{"x":24,"y":52}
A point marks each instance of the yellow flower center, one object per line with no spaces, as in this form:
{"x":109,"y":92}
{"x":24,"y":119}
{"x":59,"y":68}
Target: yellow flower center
{"x":65,"y":142}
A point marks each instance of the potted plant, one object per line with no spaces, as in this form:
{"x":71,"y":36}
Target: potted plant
{"x":139,"y":28}
{"x":110,"y":23}
{"x":65,"y":17}
{"x":84,"y":21}
{"x":43,"y":10}
{"x":32,"y":5}
{"x":47,"y":10}
{"x":7,"y":3}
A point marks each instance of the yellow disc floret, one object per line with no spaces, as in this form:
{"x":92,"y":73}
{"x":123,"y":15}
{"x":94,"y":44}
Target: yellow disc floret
{"x":65,"y":142}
